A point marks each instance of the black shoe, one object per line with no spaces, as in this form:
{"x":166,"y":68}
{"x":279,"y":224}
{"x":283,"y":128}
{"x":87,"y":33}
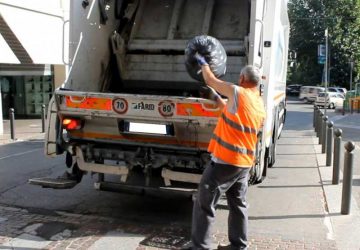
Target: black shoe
{"x":228,"y":247}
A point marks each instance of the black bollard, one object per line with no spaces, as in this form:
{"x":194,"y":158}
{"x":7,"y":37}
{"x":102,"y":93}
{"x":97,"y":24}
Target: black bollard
{"x":347,"y":178}
{"x":337,"y":156}
{"x":43,"y":118}
{"x":317,"y":114}
{"x":320,"y":126}
{"x":324,"y":134}
{"x":329,"y":145}
{"x":314,"y":116}
{"x":12,"y":123}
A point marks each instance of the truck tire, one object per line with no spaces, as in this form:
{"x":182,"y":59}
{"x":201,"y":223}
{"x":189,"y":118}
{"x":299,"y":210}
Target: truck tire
{"x":214,"y":54}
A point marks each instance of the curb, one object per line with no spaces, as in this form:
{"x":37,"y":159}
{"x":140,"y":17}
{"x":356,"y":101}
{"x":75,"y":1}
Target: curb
{"x":346,"y":228}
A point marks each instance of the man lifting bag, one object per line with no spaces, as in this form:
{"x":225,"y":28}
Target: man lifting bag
{"x":213,"y":52}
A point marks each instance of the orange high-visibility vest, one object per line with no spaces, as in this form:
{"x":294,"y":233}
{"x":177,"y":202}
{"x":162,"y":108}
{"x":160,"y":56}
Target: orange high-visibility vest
{"x":235,"y":136}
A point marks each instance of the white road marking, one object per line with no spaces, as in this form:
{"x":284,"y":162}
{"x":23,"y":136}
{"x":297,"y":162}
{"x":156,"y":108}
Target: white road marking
{"x":22,"y":153}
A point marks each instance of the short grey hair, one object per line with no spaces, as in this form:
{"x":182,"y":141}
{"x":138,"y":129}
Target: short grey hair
{"x":251,"y":74}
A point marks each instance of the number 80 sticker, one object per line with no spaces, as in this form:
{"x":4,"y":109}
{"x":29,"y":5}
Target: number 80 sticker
{"x":120,"y":105}
{"x":166,"y":108}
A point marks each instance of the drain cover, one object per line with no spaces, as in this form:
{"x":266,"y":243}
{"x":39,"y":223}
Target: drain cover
{"x":170,"y":239}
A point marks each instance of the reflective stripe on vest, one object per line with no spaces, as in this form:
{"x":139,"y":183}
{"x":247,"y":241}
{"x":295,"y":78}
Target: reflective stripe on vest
{"x":237,"y":126}
{"x":233,"y":148}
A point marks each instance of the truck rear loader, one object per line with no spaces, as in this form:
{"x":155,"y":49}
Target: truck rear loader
{"x":130,"y":113}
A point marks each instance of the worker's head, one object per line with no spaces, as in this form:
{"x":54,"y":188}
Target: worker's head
{"x":249,"y":76}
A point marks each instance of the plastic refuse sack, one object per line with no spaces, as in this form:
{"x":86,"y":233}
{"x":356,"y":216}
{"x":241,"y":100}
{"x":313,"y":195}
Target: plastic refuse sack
{"x":214,"y":54}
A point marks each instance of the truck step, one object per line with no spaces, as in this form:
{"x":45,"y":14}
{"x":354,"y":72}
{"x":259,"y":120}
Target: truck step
{"x":55,"y":183}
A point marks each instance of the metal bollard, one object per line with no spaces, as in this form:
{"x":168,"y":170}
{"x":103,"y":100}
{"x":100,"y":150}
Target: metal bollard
{"x":43,"y":118}
{"x":320,"y":127}
{"x":12,"y":123}
{"x":337,"y":155}
{"x":329,"y":144}
{"x":317,"y":114}
{"x":314,"y":116}
{"x":347,"y":178}
{"x":324,"y":134}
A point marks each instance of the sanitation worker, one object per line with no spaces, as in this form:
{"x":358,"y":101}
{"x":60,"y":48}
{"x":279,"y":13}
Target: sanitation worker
{"x":232,"y":149}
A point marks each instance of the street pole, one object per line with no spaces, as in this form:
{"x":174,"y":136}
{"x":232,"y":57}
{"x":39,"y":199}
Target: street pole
{"x":351,"y":70}
{"x":326,"y":71}
{"x":1,"y":115}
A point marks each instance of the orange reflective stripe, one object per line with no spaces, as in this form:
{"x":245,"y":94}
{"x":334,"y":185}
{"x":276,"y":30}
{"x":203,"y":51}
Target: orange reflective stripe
{"x":80,"y":102}
{"x":196,"y":109}
{"x":279,"y":96}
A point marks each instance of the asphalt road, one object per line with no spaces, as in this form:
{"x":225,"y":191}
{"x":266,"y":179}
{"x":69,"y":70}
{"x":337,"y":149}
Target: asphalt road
{"x":24,"y":160}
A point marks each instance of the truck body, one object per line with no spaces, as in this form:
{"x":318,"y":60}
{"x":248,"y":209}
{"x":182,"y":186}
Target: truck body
{"x":128,"y":110}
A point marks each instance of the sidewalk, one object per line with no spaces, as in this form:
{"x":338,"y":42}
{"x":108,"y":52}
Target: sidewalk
{"x":24,"y":130}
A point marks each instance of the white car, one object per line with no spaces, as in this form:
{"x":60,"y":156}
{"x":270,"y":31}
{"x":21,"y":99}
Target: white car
{"x":333,"y":99}
{"x":338,"y":90}
{"x":309,"y":93}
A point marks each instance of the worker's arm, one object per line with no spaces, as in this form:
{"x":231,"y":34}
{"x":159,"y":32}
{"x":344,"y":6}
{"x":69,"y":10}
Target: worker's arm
{"x":217,"y":98}
{"x":225,"y":89}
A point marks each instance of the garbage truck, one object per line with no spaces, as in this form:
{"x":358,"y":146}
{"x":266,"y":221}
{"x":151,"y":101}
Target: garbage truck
{"x":130,"y":114}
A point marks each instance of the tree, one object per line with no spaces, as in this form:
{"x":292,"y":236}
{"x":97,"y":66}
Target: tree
{"x":344,"y":33}
{"x":309,"y":19}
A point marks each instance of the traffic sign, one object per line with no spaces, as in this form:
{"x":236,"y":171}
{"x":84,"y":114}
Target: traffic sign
{"x":321,"y":54}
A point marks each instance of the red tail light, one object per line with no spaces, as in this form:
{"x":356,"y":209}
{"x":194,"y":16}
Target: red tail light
{"x":72,"y":123}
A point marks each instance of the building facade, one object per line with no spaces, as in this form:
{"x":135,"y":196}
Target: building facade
{"x":32,"y":51}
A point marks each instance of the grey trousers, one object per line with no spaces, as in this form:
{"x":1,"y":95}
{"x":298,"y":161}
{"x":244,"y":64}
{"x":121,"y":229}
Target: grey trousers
{"x":218,"y":179}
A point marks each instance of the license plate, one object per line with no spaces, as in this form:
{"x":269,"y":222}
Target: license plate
{"x":146,"y":128}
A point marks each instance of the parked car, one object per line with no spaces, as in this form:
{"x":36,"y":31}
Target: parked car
{"x":293,"y":89}
{"x":332,"y":99}
{"x":309,"y":93}
{"x":337,"y":90}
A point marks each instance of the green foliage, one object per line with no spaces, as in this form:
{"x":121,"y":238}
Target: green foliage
{"x":309,"y":19}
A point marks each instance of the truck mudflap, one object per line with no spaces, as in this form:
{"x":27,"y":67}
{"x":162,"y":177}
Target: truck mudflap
{"x":51,"y":129}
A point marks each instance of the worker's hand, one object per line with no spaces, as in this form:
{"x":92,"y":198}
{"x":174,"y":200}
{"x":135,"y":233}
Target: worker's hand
{"x":201,"y":59}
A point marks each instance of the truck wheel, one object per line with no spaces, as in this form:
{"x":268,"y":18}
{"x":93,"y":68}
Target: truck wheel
{"x":256,"y":172}
{"x":331,"y":106}
{"x":273,"y":154}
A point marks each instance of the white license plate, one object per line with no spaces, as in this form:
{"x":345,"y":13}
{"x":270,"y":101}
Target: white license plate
{"x":147,"y":128}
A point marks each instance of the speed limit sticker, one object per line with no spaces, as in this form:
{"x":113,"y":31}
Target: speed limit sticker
{"x":166,"y":108}
{"x":120,"y":105}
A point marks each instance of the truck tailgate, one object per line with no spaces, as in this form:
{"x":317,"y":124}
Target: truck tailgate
{"x":143,"y":119}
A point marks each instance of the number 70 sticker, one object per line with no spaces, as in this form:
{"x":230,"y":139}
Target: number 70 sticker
{"x":120,"y":105}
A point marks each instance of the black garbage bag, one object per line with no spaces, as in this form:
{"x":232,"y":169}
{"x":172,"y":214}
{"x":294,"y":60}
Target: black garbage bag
{"x":214,"y":54}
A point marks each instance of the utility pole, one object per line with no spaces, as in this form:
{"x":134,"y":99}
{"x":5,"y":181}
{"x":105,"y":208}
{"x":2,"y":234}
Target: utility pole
{"x":1,"y":114}
{"x":351,"y":70}
{"x":326,"y":70}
